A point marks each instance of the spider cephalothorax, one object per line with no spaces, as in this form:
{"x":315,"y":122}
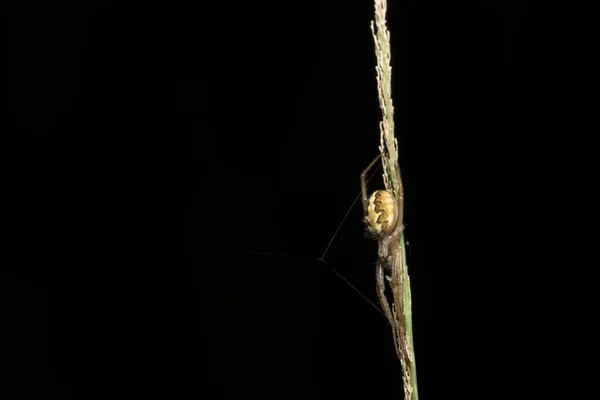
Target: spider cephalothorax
{"x":381,"y":218}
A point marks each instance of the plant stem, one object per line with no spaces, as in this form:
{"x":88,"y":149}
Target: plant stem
{"x":400,"y":282}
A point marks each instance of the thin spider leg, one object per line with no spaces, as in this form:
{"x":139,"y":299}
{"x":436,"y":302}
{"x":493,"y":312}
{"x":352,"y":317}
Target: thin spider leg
{"x":386,"y":306}
{"x":363,"y":184}
{"x":400,"y":199}
{"x":398,"y":293}
{"x":394,"y":239}
{"x":381,"y":293}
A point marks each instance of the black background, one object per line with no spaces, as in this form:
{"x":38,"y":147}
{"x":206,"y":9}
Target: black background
{"x":182,"y":169}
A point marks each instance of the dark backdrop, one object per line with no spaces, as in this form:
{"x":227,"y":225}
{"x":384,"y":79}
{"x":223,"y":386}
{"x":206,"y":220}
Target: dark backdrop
{"x":181,"y":170}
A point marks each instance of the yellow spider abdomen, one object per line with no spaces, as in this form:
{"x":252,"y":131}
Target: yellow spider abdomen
{"x":382,"y":213}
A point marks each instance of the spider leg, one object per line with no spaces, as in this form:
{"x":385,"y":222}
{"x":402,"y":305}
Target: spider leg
{"x":395,"y":236}
{"x":380,"y":276}
{"x":380,"y":279}
{"x":363,"y":183}
{"x":400,"y":199}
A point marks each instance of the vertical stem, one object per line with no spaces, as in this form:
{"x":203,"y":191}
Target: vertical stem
{"x":402,"y":326}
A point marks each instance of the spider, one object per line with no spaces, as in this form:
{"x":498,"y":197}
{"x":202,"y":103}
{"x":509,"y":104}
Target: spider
{"x":383,"y":219}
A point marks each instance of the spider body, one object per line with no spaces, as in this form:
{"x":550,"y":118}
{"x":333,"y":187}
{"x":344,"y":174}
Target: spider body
{"x":382,"y":219}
